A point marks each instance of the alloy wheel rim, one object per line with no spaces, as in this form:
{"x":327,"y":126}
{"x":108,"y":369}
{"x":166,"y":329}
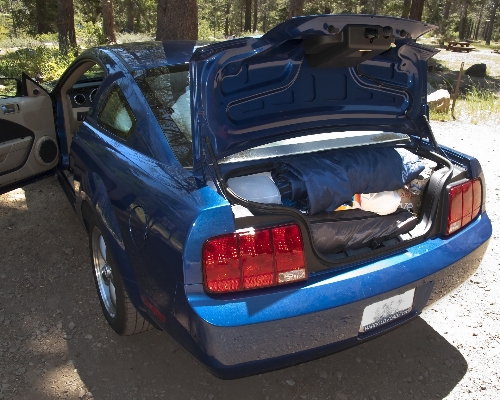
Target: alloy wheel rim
{"x":103,"y":272}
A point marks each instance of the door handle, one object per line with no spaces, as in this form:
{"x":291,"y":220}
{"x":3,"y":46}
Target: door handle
{"x":10,"y":108}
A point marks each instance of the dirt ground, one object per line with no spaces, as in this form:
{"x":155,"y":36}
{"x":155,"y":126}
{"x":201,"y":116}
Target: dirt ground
{"x":55,"y":343}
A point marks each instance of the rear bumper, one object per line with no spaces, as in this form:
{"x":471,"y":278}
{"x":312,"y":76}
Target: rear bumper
{"x":267,"y":330}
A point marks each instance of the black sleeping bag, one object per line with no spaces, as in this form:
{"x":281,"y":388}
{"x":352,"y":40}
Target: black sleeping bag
{"x":324,"y":181}
{"x":352,"y":229}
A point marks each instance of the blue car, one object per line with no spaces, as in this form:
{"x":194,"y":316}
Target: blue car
{"x":265,"y":201}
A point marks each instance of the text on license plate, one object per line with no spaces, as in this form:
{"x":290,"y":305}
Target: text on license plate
{"x":387,"y":310}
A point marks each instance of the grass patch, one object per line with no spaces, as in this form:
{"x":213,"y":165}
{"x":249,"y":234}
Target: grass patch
{"x":482,"y":46}
{"x":475,"y":107}
{"x":439,"y":116}
{"x":134,"y":37}
{"x":478,"y":107}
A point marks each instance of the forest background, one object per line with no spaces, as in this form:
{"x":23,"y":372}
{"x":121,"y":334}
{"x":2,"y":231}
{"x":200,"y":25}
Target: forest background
{"x":54,"y":31}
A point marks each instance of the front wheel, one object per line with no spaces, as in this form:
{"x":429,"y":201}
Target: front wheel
{"x":115,"y":303}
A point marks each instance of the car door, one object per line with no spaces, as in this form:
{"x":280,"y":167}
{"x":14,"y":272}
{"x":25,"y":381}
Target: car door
{"x":28,"y":142}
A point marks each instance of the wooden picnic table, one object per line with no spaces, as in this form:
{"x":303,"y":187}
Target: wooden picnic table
{"x":459,"y":46}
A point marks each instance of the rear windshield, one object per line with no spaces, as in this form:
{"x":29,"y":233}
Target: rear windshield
{"x":166,"y":89}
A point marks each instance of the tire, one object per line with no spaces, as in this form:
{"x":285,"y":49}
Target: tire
{"x":116,"y":306}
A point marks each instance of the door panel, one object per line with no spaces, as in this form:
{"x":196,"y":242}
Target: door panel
{"x":26,"y":131}
{"x":14,"y":152}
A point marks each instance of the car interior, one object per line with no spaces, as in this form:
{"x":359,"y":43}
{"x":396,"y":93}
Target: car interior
{"x":79,"y":89}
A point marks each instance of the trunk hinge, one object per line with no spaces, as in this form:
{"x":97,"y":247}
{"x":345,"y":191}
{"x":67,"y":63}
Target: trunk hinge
{"x":432,"y":138}
{"x":212,"y":168}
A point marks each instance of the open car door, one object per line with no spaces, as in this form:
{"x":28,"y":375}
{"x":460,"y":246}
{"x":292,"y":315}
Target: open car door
{"x":28,"y":142}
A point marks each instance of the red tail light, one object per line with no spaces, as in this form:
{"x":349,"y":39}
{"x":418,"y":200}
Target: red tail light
{"x":254,"y":259}
{"x":464,"y":204}
{"x":289,"y":254}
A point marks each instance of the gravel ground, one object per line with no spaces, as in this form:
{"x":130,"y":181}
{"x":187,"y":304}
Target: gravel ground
{"x":453,"y":60}
{"x":54,"y":342}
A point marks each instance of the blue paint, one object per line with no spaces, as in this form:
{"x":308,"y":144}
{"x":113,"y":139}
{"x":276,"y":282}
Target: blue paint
{"x":231,"y":88}
{"x":336,"y":289}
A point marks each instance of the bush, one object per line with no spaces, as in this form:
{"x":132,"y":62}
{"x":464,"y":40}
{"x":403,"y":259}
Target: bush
{"x":48,"y":38}
{"x":90,"y":34}
{"x":39,"y":62}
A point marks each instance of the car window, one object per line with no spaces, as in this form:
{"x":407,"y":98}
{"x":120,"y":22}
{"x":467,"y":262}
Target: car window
{"x":116,"y":115}
{"x":166,"y":90}
{"x":96,"y":72}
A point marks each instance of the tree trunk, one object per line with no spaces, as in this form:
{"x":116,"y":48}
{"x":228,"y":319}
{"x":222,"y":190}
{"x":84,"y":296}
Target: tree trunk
{"x":446,"y":11}
{"x":295,"y":8}
{"x":248,"y":16}
{"x":463,"y":21}
{"x":254,"y":25}
{"x":264,"y":17}
{"x":476,"y":33}
{"x":241,"y":16}
{"x":130,"y":15}
{"x":492,"y":22}
{"x":470,"y":29}
{"x":417,"y":7}
{"x":108,"y":20}
{"x":328,"y":10}
{"x":177,"y":20}
{"x":406,"y":9}
{"x":226,"y":21}
{"x":42,"y":24}
{"x":66,"y":25}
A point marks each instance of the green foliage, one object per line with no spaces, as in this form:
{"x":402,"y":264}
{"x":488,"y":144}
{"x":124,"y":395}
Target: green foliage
{"x":20,"y":41}
{"x":34,"y":16}
{"x":143,"y":13}
{"x":42,"y":62}
{"x":87,"y":11}
{"x":475,"y":106}
{"x":8,"y":88}
{"x":90,"y":34}
{"x":47,"y":38}
{"x":5,"y":24}
{"x":204,"y":31}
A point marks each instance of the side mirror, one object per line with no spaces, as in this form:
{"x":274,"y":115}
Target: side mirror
{"x":10,"y":87}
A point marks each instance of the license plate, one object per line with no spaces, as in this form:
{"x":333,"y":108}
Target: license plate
{"x":384,"y":311}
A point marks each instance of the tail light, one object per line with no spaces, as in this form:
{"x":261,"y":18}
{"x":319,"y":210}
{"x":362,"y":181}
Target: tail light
{"x":464,"y":204}
{"x":253,"y":259}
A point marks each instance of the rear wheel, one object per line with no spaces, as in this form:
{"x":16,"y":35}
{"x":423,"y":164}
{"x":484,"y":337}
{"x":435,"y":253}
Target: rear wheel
{"x":115,"y":303}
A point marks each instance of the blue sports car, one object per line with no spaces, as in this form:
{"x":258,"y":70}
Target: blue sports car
{"x":265,"y":201}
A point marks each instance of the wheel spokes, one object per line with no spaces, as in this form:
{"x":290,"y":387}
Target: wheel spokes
{"x":102,"y":248}
{"x":103,"y":272}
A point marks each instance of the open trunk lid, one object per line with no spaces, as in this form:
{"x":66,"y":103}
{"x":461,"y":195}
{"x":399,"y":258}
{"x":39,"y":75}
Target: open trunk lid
{"x":308,"y":76}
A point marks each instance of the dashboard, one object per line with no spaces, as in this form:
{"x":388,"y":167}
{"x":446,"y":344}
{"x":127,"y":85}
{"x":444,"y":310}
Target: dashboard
{"x":82,"y":93}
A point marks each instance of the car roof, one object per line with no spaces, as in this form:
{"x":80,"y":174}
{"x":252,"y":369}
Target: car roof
{"x":146,"y":55}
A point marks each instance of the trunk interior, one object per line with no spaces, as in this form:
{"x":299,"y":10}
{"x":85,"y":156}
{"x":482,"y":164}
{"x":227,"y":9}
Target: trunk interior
{"x":337,"y":232}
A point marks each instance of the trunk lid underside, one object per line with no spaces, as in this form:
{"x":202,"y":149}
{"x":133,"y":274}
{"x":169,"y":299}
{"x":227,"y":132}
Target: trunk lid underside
{"x":309,"y":75}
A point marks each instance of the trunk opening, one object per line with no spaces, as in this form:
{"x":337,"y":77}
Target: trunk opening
{"x":338,"y":238}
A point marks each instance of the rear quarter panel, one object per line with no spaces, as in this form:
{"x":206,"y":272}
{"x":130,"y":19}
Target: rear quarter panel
{"x":152,"y":252}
